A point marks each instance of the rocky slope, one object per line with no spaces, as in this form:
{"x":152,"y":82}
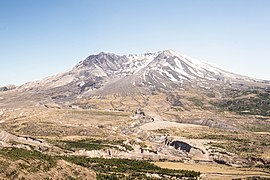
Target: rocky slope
{"x":108,"y":73}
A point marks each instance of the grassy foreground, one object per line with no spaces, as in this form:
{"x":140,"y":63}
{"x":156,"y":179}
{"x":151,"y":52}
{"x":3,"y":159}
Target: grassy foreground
{"x":29,"y":161}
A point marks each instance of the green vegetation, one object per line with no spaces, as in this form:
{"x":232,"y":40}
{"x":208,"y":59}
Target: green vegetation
{"x":244,"y":146}
{"x":118,"y":168}
{"x":258,"y":128}
{"x":90,"y":144}
{"x":114,"y":176}
{"x":257,"y":105}
{"x":33,"y":161}
{"x":39,"y":161}
{"x":196,"y":101}
{"x":23,"y":154}
{"x":240,"y":148}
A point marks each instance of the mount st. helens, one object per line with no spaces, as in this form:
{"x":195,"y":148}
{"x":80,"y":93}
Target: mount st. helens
{"x":166,"y":72}
{"x":108,"y":73}
{"x":162,"y":106}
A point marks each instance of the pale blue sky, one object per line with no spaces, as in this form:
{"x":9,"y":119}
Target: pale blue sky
{"x":39,"y":38}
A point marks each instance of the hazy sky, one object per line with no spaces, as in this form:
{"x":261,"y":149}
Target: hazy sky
{"x":39,"y":38}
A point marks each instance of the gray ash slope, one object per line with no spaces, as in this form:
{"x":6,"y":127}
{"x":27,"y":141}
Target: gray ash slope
{"x":108,"y":73}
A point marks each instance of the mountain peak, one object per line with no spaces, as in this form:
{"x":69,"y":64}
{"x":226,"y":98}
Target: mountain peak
{"x":100,"y":58}
{"x":102,"y":55}
{"x":163,"y":70}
